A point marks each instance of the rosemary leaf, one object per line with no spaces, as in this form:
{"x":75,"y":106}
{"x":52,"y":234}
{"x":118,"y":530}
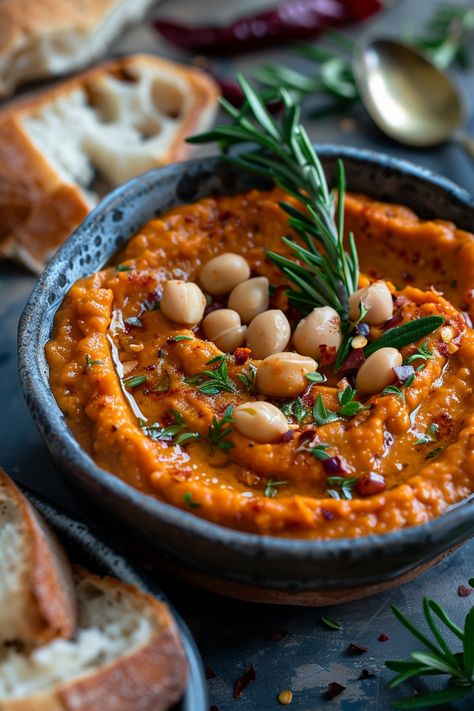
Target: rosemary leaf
{"x":405,"y":334}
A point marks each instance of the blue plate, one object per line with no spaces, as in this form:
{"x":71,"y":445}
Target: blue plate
{"x":87,"y":547}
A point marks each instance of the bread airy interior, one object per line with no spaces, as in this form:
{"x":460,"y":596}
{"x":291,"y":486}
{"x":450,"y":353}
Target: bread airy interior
{"x":13,"y":569}
{"x":118,"y":126}
{"x":111,"y":623}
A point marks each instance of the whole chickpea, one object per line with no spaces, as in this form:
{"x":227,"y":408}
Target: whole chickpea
{"x":284,"y":374}
{"x":268,"y":333}
{"x":377,"y":371}
{"x":183,"y":302}
{"x":321,"y":327}
{"x":222,"y":273}
{"x":377,"y":299}
{"x":260,"y":421}
{"x":250,"y":298}
{"x":225,"y":329}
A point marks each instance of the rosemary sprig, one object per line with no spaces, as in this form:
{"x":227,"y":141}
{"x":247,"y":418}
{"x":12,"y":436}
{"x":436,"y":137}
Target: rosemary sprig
{"x":438,"y":659}
{"x":405,"y":334}
{"x":326,"y":274}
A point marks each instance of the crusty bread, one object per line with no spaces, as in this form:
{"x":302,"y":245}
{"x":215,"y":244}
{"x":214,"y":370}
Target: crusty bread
{"x":42,"y":38}
{"x":61,"y":150}
{"x":126,"y":656}
{"x":36,"y":588}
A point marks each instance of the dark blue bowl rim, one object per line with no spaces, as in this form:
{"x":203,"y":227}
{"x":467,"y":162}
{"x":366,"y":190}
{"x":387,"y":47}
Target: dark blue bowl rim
{"x":47,"y":414}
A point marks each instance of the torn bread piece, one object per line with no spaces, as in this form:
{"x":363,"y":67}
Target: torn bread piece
{"x":126,"y":656}
{"x":62,"y":150}
{"x":37,"y":601}
{"x":48,"y":38}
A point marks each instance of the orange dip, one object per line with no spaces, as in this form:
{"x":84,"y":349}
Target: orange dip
{"x":95,"y":347}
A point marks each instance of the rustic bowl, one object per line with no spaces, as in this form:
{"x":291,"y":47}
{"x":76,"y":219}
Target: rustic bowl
{"x":240,"y":564}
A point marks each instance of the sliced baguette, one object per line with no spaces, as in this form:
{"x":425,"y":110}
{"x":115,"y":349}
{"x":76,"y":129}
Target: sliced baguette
{"x":37,"y":600}
{"x":61,"y":150}
{"x":126,"y":656}
{"x":42,"y":38}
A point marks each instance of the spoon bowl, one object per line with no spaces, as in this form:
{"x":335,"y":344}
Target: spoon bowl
{"x":407,"y":96}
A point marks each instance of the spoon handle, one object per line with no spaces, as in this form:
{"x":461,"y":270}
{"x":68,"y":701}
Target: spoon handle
{"x":466,"y":142}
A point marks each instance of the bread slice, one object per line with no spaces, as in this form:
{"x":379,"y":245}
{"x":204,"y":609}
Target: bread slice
{"x":37,"y":600}
{"x":42,"y":38}
{"x":126,"y":656}
{"x":60,"y":151}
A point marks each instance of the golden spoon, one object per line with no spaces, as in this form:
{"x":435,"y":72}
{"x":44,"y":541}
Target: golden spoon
{"x":408,"y":97}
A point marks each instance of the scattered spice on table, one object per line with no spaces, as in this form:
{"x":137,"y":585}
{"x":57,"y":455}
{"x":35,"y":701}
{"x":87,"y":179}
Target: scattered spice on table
{"x":210,"y":673}
{"x":243,"y":681}
{"x":334,"y":689}
{"x":356,"y":649}
{"x":366,"y":674}
{"x":277,"y":635}
{"x":285,"y":697}
{"x":383,"y":637}
{"x":464,"y":591}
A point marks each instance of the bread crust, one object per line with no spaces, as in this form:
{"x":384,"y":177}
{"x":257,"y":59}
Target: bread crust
{"x":49,"y":601}
{"x":151,"y":678}
{"x":39,"y":207}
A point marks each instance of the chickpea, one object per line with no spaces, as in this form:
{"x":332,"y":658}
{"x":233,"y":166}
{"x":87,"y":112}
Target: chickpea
{"x":183,"y":302}
{"x":222,"y":273}
{"x":322,"y":327}
{"x":250,"y":298}
{"x":260,"y":421}
{"x":377,"y":371}
{"x":377,"y":299}
{"x":284,"y":374}
{"x":224,"y":328}
{"x":268,"y":333}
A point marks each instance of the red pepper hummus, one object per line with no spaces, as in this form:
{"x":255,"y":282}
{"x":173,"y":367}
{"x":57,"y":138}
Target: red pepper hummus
{"x":126,"y":378}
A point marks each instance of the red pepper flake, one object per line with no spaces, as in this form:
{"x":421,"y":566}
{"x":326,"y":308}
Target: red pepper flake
{"x":243,"y":681}
{"x":370,"y":484}
{"x":277,"y":635}
{"x":334,"y":689}
{"x":383,"y":637}
{"x":393,"y":320}
{"x":366,"y":674}
{"x":210,"y":673}
{"x":328,"y":515}
{"x":286,"y":437}
{"x":241,"y":355}
{"x":464,"y":591}
{"x":354,"y":360}
{"x":327,"y":354}
{"x":356,"y":649}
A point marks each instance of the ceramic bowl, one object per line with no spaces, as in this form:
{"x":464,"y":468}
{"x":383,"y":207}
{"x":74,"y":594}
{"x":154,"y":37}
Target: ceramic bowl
{"x":241,"y":564}
{"x":90,"y":549}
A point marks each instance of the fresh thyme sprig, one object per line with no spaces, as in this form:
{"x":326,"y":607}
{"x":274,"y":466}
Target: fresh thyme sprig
{"x":177,"y":433}
{"x":220,"y":429}
{"x":211,"y":382}
{"x":326,"y":274}
{"x":438,"y":659}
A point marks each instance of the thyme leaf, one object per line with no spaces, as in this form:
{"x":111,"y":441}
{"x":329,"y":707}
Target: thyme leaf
{"x":91,"y":363}
{"x":188,"y":498}
{"x":211,"y":382}
{"x":271,"y":488}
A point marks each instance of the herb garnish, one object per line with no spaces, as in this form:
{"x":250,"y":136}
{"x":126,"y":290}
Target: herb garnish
{"x":438,"y":659}
{"x":214,"y":381}
{"x":248,"y":379}
{"x":316,"y":377}
{"x":188,"y":498}
{"x":332,"y":624}
{"x":218,"y":431}
{"x":177,"y":339}
{"x":135,"y":382}
{"x":434,"y":453}
{"x":349,"y":407}
{"x":345,"y":485}
{"x":176,"y":432}
{"x":123,"y":268}
{"x":431,"y":434}
{"x":270,"y":489}
{"x":162,"y":385}
{"x":321,"y":414}
{"x":295,"y":408}
{"x":90,"y":363}
{"x":319,"y":452}
{"x":394,"y":390}
{"x":407,"y":333}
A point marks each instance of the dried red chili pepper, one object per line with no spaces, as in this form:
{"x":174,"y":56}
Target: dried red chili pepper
{"x":300,"y":19}
{"x":356,"y":649}
{"x":383,"y":637}
{"x":464,"y":591}
{"x":334,"y":689}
